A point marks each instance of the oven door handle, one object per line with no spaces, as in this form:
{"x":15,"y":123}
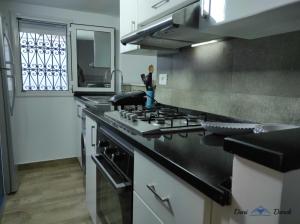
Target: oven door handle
{"x":117,"y":186}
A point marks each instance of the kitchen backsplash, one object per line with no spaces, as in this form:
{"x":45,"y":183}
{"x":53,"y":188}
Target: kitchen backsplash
{"x":256,"y":80}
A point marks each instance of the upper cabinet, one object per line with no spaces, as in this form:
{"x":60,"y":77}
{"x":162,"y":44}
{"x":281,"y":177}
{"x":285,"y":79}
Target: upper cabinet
{"x":250,"y":19}
{"x":149,"y":10}
{"x":128,"y":22}
{"x":93,"y":58}
{"x":146,"y":23}
{"x":230,"y":10}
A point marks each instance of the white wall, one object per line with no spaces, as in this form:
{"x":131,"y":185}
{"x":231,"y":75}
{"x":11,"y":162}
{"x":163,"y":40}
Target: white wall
{"x":44,"y":127}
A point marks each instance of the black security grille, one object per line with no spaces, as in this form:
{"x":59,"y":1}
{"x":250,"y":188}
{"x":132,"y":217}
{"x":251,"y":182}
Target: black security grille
{"x":44,"y":62}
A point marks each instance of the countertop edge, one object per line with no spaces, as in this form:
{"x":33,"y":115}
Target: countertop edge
{"x":258,"y":154}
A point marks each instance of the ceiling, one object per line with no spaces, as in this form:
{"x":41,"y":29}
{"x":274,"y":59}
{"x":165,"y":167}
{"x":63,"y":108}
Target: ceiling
{"x":109,"y":7}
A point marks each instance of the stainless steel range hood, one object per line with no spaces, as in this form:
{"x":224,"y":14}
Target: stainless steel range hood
{"x":175,"y":31}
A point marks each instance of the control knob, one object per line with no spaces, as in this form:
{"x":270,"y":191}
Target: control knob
{"x":133,"y":117}
{"x":125,"y":114}
{"x":128,"y":115}
{"x":122,"y":112}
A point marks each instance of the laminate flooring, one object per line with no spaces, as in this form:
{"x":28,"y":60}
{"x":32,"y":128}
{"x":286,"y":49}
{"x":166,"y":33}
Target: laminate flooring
{"x":49,"y":192}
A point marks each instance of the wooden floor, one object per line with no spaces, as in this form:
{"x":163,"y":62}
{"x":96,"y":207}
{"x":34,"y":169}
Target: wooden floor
{"x":50,"y":192}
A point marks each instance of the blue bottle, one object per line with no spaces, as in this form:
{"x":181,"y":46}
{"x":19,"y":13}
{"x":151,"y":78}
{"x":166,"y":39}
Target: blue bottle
{"x":150,"y":99}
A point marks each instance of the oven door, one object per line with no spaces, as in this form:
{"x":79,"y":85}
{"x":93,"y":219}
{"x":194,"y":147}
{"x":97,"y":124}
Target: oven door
{"x":114,"y":194}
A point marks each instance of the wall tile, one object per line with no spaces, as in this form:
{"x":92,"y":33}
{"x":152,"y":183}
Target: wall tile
{"x":265,"y":109}
{"x":256,"y":80}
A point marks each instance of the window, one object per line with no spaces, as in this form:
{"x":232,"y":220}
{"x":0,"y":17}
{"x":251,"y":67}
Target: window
{"x":43,"y":56}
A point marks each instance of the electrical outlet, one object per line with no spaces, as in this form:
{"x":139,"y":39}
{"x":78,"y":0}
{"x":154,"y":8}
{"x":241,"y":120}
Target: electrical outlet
{"x":163,"y":79}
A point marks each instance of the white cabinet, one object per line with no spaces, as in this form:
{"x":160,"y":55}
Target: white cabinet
{"x":171,"y":199}
{"x":78,"y":109}
{"x":91,"y":133}
{"x":229,"y":10}
{"x":220,"y":214}
{"x":149,"y":10}
{"x":128,"y":22}
{"x":142,"y":213}
{"x":250,"y":19}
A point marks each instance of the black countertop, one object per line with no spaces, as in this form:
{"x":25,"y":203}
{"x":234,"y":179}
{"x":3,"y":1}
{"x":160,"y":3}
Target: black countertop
{"x":279,"y":150}
{"x":198,"y":157}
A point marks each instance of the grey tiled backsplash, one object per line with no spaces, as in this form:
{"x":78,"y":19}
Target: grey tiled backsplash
{"x":256,"y":80}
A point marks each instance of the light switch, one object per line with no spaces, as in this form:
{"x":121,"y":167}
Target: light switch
{"x":163,"y":79}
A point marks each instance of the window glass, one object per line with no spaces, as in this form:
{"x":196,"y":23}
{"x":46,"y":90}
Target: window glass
{"x":43,"y":56}
{"x":94,"y":59}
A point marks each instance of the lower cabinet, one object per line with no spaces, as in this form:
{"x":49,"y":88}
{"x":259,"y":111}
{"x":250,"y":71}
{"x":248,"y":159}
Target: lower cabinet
{"x":90,"y":183}
{"x":220,"y":214}
{"x":172,"y":200}
{"x":142,"y":213}
{"x":79,"y":116}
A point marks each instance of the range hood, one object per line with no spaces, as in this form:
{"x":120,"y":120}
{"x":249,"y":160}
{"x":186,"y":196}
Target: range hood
{"x":174,"y":31}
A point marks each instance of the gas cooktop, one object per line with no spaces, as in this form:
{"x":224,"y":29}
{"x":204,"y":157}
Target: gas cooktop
{"x":161,"y":119}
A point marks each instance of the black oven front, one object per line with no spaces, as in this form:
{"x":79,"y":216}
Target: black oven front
{"x":114,"y":163}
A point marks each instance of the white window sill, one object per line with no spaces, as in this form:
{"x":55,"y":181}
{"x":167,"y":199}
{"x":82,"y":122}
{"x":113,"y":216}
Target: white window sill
{"x":44,"y":94}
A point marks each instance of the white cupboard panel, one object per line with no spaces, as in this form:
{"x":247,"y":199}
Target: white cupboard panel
{"x":128,"y":22}
{"x":91,"y":190}
{"x":176,"y":202}
{"x":142,"y":213}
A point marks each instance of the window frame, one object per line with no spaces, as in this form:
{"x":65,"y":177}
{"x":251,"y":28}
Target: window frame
{"x":18,"y":67}
{"x":73,"y":31}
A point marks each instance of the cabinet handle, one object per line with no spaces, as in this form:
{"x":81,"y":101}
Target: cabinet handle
{"x":92,"y":138}
{"x":151,"y":187}
{"x":132,"y":26}
{"x":159,"y":4}
{"x":78,"y":115}
{"x":165,"y":200}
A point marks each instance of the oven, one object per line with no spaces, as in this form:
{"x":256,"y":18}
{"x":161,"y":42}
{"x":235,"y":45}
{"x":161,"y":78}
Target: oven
{"x":114,"y":163}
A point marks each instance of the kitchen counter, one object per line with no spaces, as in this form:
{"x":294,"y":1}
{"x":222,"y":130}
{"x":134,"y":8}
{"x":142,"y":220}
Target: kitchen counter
{"x":198,"y":158}
{"x":278,"y":150}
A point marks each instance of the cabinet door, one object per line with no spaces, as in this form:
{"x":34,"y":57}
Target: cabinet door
{"x":248,"y":19}
{"x":78,"y":131}
{"x":93,"y":56}
{"x":229,"y":10}
{"x":149,"y":10}
{"x":142,"y":213}
{"x":167,"y":195}
{"x":128,"y":22}
{"x":220,"y":214}
{"x":79,"y":116}
{"x":91,"y":130}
